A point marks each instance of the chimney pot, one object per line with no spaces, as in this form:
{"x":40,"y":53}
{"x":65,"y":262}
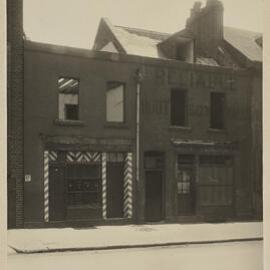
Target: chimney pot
{"x":197,"y":6}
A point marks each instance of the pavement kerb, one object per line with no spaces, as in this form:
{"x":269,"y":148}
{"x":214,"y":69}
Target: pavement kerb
{"x":112,"y":247}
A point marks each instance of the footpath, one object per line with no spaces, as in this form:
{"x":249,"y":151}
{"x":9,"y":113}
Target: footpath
{"x":129,"y":236}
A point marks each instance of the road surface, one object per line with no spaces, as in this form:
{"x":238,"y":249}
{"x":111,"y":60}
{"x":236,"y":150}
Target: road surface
{"x":229,"y":256}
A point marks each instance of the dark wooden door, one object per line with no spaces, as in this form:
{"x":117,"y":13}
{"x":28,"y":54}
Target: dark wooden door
{"x":57,"y":193}
{"x":153,"y":196}
{"x":115,"y":184}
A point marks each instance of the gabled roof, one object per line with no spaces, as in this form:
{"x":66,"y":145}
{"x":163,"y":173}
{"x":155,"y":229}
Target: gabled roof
{"x":147,"y":43}
{"x":140,"y":42}
{"x":245,"y":42}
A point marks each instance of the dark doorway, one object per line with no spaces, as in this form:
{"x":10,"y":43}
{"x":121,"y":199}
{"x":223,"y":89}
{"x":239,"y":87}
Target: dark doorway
{"x":57,"y":194}
{"x":115,"y":175}
{"x":153,"y":196}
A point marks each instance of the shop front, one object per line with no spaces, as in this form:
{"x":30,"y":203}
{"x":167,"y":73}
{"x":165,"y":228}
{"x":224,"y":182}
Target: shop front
{"x":204,"y":175}
{"x":87,"y":186}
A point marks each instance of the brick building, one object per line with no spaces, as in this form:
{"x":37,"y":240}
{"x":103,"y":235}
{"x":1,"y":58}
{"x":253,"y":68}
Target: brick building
{"x":15,"y":112}
{"x":145,"y":127}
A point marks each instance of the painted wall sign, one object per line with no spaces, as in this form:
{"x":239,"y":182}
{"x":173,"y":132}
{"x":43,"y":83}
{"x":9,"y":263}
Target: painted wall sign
{"x":202,"y":79}
{"x":159,"y":107}
{"x":162,"y":107}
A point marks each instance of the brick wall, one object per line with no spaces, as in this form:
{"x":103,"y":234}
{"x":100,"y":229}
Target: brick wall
{"x":15,"y":112}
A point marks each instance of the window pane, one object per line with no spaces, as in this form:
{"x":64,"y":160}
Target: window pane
{"x":71,"y":112}
{"x":178,"y":108}
{"x":217,"y":110}
{"x":115,"y":102}
{"x":83,"y":185}
{"x":68,"y":90}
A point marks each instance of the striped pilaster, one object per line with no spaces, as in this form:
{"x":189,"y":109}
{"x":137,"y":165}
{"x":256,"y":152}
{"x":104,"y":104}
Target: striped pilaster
{"x":52,"y":156}
{"x":46,"y":186}
{"x":128,"y":211}
{"x":104,"y":184}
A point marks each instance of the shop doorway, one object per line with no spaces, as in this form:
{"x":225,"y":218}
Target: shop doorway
{"x":185,"y":185}
{"x":57,"y":193}
{"x":115,"y":182}
{"x":154,"y":165}
{"x":153,"y":196}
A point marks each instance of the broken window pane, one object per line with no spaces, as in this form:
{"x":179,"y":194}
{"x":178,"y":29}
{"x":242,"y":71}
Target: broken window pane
{"x":68,"y":101}
{"x":115,"y":102}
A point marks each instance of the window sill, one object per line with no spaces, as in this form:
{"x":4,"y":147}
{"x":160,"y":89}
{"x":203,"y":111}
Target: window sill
{"x":184,"y":128}
{"x":216,"y":130}
{"x":68,"y":122}
{"x":116,"y":125}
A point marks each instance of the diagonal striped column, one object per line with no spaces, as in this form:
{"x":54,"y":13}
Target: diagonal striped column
{"x":104,"y":184}
{"x":52,"y":156}
{"x":128,"y":211}
{"x":46,"y":186}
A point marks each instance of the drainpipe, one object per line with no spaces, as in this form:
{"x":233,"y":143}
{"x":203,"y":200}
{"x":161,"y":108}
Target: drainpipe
{"x":138,"y":78}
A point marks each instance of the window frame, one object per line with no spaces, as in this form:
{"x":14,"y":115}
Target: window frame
{"x":116,"y":123}
{"x":186,"y":105}
{"x":58,"y":100}
{"x":211,"y":127}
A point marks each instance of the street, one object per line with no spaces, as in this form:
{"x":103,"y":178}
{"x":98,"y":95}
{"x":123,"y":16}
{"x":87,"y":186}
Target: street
{"x":227,"y":256}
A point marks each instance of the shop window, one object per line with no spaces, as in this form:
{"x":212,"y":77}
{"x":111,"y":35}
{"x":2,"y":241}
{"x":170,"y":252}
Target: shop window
{"x":215,"y":181}
{"x":115,"y":102}
{"x":68,"y":105}
{"x":217,"y":104}
{"x":83,"y":185}
{"x":178,"y":107}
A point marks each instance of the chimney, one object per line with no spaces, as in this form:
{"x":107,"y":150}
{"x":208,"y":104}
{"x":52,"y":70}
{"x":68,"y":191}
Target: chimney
{"x":206,"y":24}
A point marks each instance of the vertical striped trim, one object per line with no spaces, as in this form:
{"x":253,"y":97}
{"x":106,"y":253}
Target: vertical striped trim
{"x":128,"y":210}
{"x":104,"y":184}
{"x":46,"y":186}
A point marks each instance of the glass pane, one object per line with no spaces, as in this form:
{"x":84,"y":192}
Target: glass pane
{"x":115,"y":102}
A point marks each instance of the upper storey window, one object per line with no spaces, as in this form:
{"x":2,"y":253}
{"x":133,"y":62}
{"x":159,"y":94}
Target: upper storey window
{"x":178,"y":107}
{"x":115,"y":102}
{"x":217,"y":104}
{"x":68,"y":100}
{"x":184,"y":51}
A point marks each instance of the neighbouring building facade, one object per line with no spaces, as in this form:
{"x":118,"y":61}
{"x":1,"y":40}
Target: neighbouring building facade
{"x":145,"y":127}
